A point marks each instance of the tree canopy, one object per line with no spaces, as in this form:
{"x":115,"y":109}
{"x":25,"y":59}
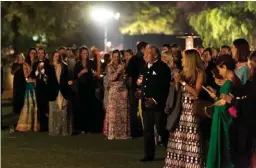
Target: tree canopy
{"x":47,"y":20}
{"x":222,"y":25}
{"x":147,"y":18}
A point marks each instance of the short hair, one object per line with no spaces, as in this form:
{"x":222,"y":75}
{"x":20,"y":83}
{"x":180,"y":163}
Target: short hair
{"x":129,"y":51}
{"x":141,"y":45}
{"x":166,"y":45}
{"x":226,"y":46}
{"x":62,"y":47}
{"x":42,"y":49}
{"x":199,"y":47}
{"x":155,"y":47}
{"x":209,"y":50}
{"x":174,"y":45}
{"x":106,"y":56}
{"x":226,"y":60}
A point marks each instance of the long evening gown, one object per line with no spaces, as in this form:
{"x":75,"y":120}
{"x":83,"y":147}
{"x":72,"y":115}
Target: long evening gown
{"x":239,"y":132}
{"x":19,"y":87}
{"x":59,"y":121}
{"x":219,"y":147}
{"x":28,"y":120}
{"x":117,"y":115}
{"x":184,"y":148}
{"x":85,"y":117}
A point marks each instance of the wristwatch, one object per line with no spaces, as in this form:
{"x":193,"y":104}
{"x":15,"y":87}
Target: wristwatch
{"x":183,"y":83}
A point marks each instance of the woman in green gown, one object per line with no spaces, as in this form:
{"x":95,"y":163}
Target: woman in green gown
{"x":219,"y":147}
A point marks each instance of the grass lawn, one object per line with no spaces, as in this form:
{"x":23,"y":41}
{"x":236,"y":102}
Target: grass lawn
{"x":38,"y":150}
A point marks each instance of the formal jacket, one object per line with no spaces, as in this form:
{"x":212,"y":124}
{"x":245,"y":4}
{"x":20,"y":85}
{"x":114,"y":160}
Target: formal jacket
{"x":135,"y":67}
{"x":62,"y":85}
{"x":42,"y":87}
{"x":156,"y":82}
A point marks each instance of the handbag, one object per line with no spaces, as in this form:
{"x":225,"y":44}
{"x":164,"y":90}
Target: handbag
{"x":203,"y":108}
{"x":233,"y":111}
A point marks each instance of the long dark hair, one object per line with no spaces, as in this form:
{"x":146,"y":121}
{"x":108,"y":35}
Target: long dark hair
{"x":28,"y":59}
{"x":243,"y":50}
{"x":80,"y":51}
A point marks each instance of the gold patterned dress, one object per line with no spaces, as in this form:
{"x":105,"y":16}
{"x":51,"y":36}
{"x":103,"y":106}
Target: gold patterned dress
{"x":184,"y":146}
{"x":28,"y":120}
{"x":117,"y":120}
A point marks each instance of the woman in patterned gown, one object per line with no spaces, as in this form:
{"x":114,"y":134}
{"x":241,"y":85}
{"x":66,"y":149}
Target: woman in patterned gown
{"x":28,"y":120}
{"x":184,"y":146}
{"x":59,"y":120}
{"x":117,"y":114}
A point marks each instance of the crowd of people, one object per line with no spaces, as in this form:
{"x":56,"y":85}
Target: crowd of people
{"x":197,"y":103}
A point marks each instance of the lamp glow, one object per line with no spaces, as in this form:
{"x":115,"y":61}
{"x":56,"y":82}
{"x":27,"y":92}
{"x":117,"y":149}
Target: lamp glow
{"x":35,"y":38}
{"x":108,"y":44}
{"x":101,"y":14}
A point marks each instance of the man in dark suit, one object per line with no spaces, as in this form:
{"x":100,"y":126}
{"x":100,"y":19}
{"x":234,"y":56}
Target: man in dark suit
{"x":135,"y":65}
{"x":155,"y":89}
{"x":40,"y":72}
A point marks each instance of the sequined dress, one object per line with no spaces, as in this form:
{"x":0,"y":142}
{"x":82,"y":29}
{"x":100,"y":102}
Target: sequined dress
{"x":59,"y":122}
{"x":184,"y":146}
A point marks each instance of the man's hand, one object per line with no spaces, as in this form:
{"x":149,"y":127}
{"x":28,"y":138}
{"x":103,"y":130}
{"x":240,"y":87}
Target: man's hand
{"x":139,"y":81}
{"x":85,"y":70}
{"x":138,"y":94}
{"x":70,"y":82}
{"x":149,"y":102}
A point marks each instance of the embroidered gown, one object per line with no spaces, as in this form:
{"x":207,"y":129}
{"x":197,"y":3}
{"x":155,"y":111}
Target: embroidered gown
{"x":117,"y":121}
{"x":28,"y":120}
{"x":184,"y":148}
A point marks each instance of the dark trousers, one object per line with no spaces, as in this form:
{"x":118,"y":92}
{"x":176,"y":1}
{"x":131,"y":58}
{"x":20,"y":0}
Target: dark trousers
{"x":151,"y":118}
{"x":43,"y":111}
{"x":134,"y":121}
{"x":240,"y":144}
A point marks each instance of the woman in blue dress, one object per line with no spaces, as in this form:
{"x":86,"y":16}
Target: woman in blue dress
{"x":28,"y":120}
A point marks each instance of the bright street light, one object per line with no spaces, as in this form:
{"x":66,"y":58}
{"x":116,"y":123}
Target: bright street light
{"x":108,"y":44}
{"x":102,"y":15}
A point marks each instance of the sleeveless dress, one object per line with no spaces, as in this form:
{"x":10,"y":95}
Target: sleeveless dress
{"x":184,"y":148}
{"x":219,"y":147}
{"x":28,"y":120}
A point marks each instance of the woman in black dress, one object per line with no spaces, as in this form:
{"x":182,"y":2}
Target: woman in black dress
{"x":19,"y":83}
{"x":84,"y":75}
